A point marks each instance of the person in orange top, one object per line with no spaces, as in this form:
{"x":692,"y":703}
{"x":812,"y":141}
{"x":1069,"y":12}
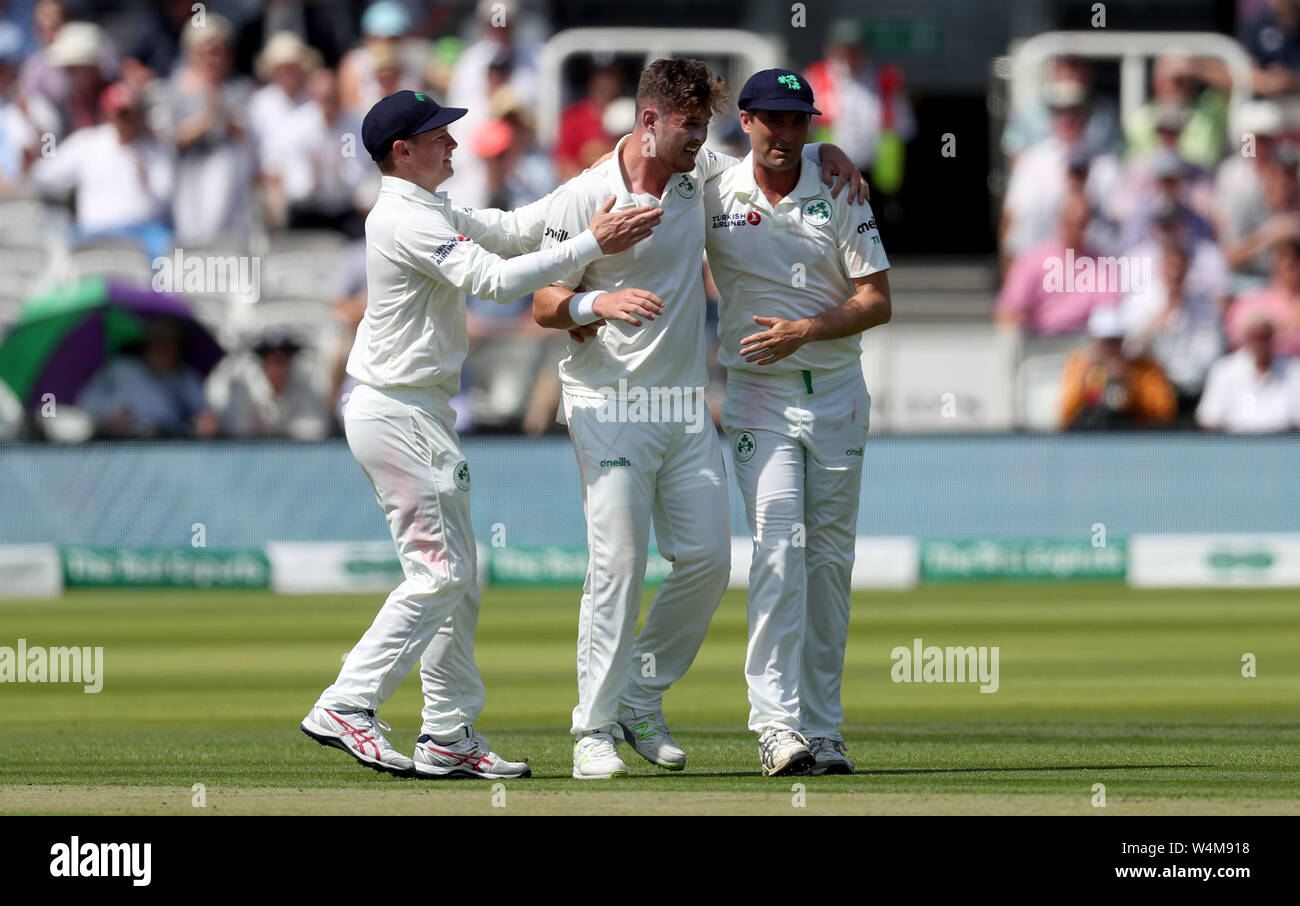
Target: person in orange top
{"x":1104,"y":389}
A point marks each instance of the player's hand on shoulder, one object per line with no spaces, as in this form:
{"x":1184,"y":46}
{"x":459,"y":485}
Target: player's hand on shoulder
{"x":780,"y":339}
{"x":629,"y":305}
{"x":839,"y":171}
{"x":619,"y":231}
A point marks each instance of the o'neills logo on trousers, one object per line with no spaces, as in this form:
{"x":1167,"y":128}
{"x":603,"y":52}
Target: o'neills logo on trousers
{"x":103,"y":860}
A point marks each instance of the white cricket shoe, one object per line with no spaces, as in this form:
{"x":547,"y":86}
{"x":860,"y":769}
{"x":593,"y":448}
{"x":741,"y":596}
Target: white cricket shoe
{"x":595,"y":757}
{"x":360,"y":734}
{"x":830,"y":756}
{"x":647,"y":734}
{"x":469,"y":756}
{"x":783,"y":751}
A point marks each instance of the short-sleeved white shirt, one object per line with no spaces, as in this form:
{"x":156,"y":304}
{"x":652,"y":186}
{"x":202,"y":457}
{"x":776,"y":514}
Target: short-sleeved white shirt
{"x":670,"y":351}
{"x":422,"y":257}
{"x":795,"y":260}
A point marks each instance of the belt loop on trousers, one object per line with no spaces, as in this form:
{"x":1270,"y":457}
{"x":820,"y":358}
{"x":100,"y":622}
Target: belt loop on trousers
{"x":807,"y":381}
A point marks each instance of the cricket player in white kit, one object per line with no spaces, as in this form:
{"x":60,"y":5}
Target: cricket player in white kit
{"x":801,"y":275}
{"x":422,"y":257}
{"x":659,"y":463}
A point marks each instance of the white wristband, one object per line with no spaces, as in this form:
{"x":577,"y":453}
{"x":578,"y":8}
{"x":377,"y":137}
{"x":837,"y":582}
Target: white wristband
{"x":582,"y":307}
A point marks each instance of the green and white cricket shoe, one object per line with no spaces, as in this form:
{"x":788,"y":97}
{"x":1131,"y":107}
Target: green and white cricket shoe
{"x":469,"y":755}
{"x":595,"y":757}
{"x":783,"y":752}
{"x":360,"y":734}
{"x":647,"y":734}
{"x":830,"y":756}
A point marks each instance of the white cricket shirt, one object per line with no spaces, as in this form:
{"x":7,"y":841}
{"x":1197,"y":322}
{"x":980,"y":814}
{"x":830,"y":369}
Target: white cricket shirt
{"x":754,"y":249}
{"x":422,"y":257}
{"x":670,"y":351}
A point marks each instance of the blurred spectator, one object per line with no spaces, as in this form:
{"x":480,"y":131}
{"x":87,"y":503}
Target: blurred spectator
{"x":1272,"y":37}
{"x":71,"y":73}
{"x":153,"y":395}
{"x":1166,"y":196}
{"x":1278,"y":302}
{"x":22,"y":120}
{"x":349,"y":308}
{"x":1104,"y":389}
{"x":327,"y":188}
{"x":859,"y":101}
{"x":39,"y":76}
{"x":500,"y":55}
{"x":1039,"y":178}
{"x":156,"y":48}
{"x":215,"y":158}
{"x":283,"y":65}
{"x":269,"y":392}
{"x":1250,"y":235}
{"x":1239,"y":183}
{"x":385,"y":44}
{"x":1207,"y":275}
{"x":1034,"y":303}
{"x":1033,"y":123}
{"x":1177,"y":325}
{"x":121,"y":176}
{"x":1253,"y":390}
{"x":519,"y":171}
{"x":1187,"y":95}
{"x":582,"y":137}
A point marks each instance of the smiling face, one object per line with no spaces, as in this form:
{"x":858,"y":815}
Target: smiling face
{"x":678,"y":135}
{"x":425,"y":159}
{"x":777,"y":136}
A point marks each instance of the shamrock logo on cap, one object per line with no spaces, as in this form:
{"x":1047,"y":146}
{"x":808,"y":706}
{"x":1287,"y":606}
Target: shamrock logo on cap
{"x":789,"y":81}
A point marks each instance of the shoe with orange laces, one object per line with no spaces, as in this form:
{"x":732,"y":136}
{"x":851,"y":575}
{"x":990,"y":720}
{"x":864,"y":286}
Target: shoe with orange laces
{"x":360,"y":734}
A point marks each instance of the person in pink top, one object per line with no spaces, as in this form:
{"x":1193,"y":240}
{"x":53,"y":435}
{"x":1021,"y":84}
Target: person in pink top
{"x":1278,"y":301}
{"x":1054,"y":286}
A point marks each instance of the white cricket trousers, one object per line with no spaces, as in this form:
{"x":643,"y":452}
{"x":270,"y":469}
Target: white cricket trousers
{"x":633,"y":474}
{"x":797,"y":440}
{"x":409,"y":451}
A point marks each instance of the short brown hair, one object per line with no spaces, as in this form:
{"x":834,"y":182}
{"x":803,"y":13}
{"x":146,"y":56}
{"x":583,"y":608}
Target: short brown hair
{"x":681,"y":86}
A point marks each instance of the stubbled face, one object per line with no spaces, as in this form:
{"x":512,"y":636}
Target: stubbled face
{"x":678,"y":137}
{"x":425,"y":159}
{"x":776,"y":136}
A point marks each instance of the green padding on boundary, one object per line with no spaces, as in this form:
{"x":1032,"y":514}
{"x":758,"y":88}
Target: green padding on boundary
{"x":179,"y":567}
{"x":1029,"y":559}
{"x":554,"y":565}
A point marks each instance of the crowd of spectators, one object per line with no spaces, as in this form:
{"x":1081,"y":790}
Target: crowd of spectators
{"x":1168,"y":243}
{"x":183,"y":128}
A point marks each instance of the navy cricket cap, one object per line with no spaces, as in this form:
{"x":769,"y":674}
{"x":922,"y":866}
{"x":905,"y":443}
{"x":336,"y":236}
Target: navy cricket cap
{"x":777,"y":89}
{"x":401,"y":115}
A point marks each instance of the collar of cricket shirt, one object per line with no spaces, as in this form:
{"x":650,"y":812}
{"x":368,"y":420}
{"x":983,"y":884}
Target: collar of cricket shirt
{"x":808,"y":187}
{"x":684,"y":185}
{"x":399,"y":186}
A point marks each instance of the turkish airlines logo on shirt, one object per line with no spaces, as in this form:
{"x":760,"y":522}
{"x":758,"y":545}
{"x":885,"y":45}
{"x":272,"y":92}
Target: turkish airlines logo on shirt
{"x":441,"y":252}
{"x":737,"y":219}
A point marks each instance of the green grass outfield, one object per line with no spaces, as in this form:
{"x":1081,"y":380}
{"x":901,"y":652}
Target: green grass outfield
{"x":1139,"y":690}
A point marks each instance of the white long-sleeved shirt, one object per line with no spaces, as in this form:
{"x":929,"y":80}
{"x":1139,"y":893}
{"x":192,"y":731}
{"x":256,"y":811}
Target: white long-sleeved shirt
{"x":422,"y":257}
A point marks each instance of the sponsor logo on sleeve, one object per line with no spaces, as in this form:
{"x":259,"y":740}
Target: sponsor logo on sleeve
{"x":869,"y":225}
{"x":557,"y":234}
